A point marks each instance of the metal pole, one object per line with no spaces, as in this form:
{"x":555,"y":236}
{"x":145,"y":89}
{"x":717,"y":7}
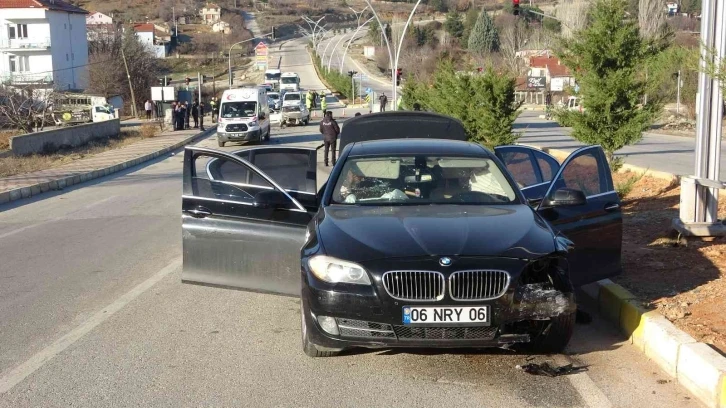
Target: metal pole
{"x":345,"y":52}
{"x":333,"y":52}
{"x":385,"y":37}
{"x":398,"y":54}
{"x":325,"y":51}
{"x":229,"y":57}
{"x":678,"y":94}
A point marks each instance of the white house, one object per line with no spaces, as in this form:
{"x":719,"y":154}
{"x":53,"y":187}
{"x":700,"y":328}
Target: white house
{"x":43,"y":42}
{"x":98,"y":18}
{"x":156,"y":42}
{"x":221,"y":27}
{"x":210,"y":13}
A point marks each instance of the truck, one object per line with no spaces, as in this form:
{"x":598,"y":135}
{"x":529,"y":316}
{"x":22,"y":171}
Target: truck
{"x":290,"y":81}
{"x":244,"y":116}
{"x":72,"y":109}
{"x":272,"y":77}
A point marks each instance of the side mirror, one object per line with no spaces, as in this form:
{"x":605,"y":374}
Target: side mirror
{"x":565,"y":197}
{"x":271,"y":199}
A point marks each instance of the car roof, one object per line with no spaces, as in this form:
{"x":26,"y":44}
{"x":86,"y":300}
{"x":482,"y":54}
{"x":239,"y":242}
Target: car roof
{"x":414,"y":146}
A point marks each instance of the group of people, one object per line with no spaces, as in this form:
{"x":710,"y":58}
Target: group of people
{"x":181,"y":112}
{"x":311,"y":101}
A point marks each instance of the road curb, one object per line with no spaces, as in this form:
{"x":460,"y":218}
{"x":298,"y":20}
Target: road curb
{"x":67,"y":181}
{"x":695,"y":365}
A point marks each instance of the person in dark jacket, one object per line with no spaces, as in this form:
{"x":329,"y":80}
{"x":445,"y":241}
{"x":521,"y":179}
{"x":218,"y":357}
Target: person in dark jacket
{"x":330,"y":131}
{"x":195,"y":113}
{"x":187,"y":114}
{"x":201,"y":115}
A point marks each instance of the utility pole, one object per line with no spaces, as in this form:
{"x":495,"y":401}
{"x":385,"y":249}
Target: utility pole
{"x":678,"y":94}
{"x":699,"y":193}
{"x":131,"y":88}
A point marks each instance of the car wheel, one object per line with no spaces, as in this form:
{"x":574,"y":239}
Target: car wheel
{"x":220,"y":143}
{"x":308,"y":347}
{"x":555,"y":336}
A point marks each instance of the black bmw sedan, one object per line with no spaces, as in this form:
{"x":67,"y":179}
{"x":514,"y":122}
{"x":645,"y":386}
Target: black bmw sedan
{"x":417,"y":239}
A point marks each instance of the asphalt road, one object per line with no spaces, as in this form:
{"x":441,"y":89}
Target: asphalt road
{"x":93,"y":314}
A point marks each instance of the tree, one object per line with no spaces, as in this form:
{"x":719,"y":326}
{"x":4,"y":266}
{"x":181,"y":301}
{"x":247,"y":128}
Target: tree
{"x":573,"y":14}
{"x":485,"y":103}
{"x":606,"y":59}
{"x":25,"y":108}
{"x":438,"y":5}
{"x":484,"y":37}
{"x":513,"y":38}
{"x":453,"y":24}
{"x":469,"y":21}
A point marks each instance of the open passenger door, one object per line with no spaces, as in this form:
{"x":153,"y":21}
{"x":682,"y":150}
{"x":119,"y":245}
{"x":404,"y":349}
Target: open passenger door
{"x":582,"y":204}
{"x":241,"y":228}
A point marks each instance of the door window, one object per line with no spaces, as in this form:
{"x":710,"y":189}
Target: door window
{"x":520,"y":165}
{"x":222,"y":179}
{"x":583,"y":173}
{"x":547,"y":165}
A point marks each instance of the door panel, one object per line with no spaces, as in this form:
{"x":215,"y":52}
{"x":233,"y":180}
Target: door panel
{"x":531,"y":168}
{"x":230,"y":241}
{"x":596,"y":227}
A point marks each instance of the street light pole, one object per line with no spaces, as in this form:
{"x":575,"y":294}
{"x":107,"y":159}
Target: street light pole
{"x":398,"y":54}
{"x":229,"y":56}
{"x":333,"y":52}
{"x":698,"y":214}
{"x":325,"y":51}
{"x":385,"y":37}
{"x":345,"y":52}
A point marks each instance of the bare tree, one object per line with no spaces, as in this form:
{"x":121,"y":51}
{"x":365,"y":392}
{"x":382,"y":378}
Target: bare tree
{"x":539,"y":39}
{"x":651,"y":18}
{"x":573,"y":14}
{"x":511,"y":40}
{"x":26,"y":107}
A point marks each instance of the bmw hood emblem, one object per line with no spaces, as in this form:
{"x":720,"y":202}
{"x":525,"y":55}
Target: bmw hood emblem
{"x":445,"y":261}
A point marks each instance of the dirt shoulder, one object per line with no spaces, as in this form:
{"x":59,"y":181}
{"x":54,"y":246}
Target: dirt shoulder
{"x":11,"y":165}
{"x":684,"y":279}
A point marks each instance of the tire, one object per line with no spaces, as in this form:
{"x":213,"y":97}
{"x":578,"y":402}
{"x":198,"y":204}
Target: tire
{"x":220,"y":143}
{"x":308,"y":347}
{"x":557,"y":337}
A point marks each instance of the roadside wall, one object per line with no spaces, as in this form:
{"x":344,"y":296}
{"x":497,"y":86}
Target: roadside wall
{"x":52,"y":140}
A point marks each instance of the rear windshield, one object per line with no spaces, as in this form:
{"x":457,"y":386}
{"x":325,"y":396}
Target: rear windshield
{"x":238,"y":109}
{"x":292,"y":97}
{"x":272,"y":77}
{"x":289,"y":80}
{"x":273,"y":96}
{"x":422,"y":180}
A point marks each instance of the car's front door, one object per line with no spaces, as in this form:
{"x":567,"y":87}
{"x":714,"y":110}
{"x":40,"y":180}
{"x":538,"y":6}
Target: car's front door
{"x":240,"y":228}
{"x":595,"y":227}
{"x":531,"y":168}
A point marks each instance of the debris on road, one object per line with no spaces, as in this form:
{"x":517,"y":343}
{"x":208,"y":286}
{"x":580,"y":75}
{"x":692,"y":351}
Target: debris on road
{"x":545,"y":369}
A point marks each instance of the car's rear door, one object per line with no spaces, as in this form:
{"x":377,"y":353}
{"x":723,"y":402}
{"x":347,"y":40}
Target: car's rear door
{"x":531,"y":168}
{"x":228,"y":239}
{"x":596,"y":228}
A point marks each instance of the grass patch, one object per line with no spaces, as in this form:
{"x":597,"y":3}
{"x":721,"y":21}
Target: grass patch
{"x":624,"y":187}
{"x":5,"y":136}
{"x":13,"y":165}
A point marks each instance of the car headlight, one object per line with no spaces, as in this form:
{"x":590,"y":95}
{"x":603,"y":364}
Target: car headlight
{"x":334,"y":270}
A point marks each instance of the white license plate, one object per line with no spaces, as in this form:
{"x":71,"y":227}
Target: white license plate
{"x":470,"y":315}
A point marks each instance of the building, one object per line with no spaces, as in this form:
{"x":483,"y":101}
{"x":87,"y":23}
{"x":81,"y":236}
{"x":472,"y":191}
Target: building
{"x":155,"y":40}
{"x":672,"y":8}
{"x":221,"y":27}
{"x":557,"y":76}
{"x":210,"y":13}
{"x":43,"y":43}
{"x":98,"y":18}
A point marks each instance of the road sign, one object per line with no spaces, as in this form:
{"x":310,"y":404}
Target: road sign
{"x":261,"y":54}
{"x":369,"y":90}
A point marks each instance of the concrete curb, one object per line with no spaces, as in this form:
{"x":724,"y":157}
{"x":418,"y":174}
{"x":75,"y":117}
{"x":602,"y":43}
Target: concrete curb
{"x":695,"y":365}
{"x":63,"y":182}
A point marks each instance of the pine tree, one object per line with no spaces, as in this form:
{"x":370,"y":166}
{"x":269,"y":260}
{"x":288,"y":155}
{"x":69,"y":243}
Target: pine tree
{"x":606,"y":59}
{"x":484,"y":37}
{"x":453,"y":24}
{"x":469,"y":23}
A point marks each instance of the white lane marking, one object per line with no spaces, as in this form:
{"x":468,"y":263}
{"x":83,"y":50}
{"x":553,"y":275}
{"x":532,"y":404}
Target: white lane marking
{"x":27,"y":227}
{"x":588,"y":390}
{"x":21,"y":372}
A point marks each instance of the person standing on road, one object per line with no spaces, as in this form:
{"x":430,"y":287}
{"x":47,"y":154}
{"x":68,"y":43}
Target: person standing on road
{"x":548,"y":104}
{"x":315,"y":98}
{"x":309,"y":100}
{"x":148,"y":107}
{"x":383,"y":99}
{"x":323,"y":105}
{"x":187,"y":114}
{"x":213,"y":103}
{"x":201,"y":115}
{"x":330,"y":130}
{"x":195,"y":113}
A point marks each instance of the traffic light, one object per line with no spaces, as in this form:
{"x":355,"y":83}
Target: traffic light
{"x":351,"y":73}
{"x":515,"y":7}
{"x":274,"y":33}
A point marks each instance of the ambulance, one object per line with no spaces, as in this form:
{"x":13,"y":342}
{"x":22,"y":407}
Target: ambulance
{"x":244,"y":116}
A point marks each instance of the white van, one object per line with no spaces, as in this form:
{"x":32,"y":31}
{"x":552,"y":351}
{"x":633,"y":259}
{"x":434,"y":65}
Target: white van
{"x":289,"y":81}
{"x":272,"y":77}
{"x":244,"y":116}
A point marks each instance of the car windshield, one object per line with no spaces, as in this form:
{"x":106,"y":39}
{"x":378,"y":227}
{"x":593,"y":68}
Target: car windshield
{"x":292,"y":97}
{"x":238,"y":109}
{"x":289,"y":80}
{"x":422,"y":180}
{"x":273,"y":96}
{"x":272,"y":77}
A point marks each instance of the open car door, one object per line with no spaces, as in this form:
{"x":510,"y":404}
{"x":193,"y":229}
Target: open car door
{"x":582,"y":204}
{"x":241,"y":228}
{"x":532,"y":169}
